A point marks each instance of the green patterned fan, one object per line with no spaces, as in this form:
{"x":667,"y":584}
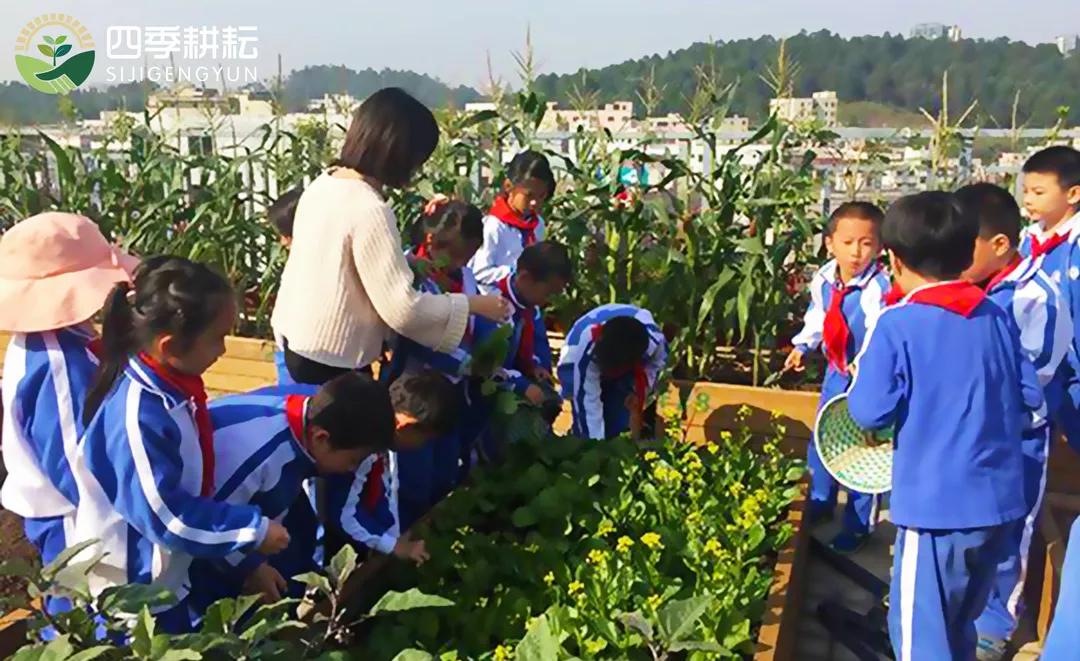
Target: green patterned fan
{"x":847,"y":451}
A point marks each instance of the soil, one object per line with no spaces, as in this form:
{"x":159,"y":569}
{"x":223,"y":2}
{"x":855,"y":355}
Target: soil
{"x":13,"y":545}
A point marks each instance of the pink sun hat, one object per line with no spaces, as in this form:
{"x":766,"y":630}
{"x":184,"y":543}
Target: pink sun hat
{"x":56,"y":269}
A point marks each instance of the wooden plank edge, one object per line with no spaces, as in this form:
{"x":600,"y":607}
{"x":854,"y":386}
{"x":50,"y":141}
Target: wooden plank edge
{"x":783,"y":607}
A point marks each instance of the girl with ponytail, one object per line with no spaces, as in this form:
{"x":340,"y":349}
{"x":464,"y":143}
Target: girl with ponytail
{"x":145,"y":466}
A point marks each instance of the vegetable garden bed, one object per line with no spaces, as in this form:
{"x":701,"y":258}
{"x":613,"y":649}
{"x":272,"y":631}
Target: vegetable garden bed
{"x":772,"y":576}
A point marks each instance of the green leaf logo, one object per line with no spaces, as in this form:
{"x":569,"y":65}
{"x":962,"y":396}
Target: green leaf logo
{"x":65,"y":65}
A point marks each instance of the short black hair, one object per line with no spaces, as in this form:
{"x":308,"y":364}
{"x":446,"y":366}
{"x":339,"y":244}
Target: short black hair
{"x":356,"y":411}
{"x":994,"y":208}
{"x":1061,"y":161}
{"x":429,"y":397}
{"x":931,"y":234}
{"x":453,"y":220}
{"x":623,"y":342}
{"x":391,"y":136}
{"x":282,"y":212}
{"x":862,"y":210}
{"x":531,"y":164}
{"x":545,"y":261}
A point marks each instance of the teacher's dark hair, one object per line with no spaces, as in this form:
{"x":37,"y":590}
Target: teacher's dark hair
{"x":391,"y":136}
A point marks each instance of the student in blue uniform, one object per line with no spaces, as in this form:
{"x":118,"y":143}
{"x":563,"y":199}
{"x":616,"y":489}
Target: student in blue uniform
{"x":514,"y":221}
{"x":1052,"y":199}
{"x":543,"y":271}
{"x":374,"y":507}
{"x":266,"y":444}
{"x":1045,"y":330}
{"x":443,"y":239}
{"x":846,"y":296}
{"x":281,"y":214}
{"x":145,"y":465}
{"x":945,"y":366}
{"x":55,"y":271}
{"x":609,"y":366}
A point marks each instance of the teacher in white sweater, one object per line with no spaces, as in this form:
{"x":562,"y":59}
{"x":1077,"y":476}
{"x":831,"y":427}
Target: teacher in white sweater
{"x":346,"y":283}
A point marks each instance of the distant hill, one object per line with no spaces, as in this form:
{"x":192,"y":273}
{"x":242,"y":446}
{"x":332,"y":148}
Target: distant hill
{"x":879,"y":79}
{"x":891,"y":70}
{"x":313,"y":82}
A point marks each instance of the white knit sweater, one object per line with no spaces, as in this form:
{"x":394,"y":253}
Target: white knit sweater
{"x":346,"y":281}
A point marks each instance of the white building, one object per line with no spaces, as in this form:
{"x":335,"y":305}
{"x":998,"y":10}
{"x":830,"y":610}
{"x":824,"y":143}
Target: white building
{"x":342,"y":104}
{"x":937,"y":31}
{"x":822,"y":106}
{"x":1067,"y":43}
{"x":617,"y":116}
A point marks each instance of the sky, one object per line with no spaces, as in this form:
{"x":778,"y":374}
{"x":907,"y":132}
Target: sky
{"x":452,"y":40}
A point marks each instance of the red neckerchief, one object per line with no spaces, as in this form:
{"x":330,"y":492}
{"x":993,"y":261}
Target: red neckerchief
{"x":526,"y":347}
{"x":449,"y":282}
{"x":641,"y":380}
{"x":894,"y":295}
{"x":835,"y":332}
{"x":95,"y":347}
{"x":1040,"y":248}
{"x":295,"y":408}
{"x":373,"y":487}
{"x":1002,"y":274}
{"x":192,"y":388}
{"x":959,"y":297}
{"x":528,"y":223}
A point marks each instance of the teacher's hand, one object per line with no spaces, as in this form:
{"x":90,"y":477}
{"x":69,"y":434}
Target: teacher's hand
{"x":495,"y":308}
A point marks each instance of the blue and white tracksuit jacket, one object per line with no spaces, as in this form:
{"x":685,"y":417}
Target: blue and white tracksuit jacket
{"x":259,"y":460}
{"x":597,"y":403}
{"x":46,"y":378}
{"x":139,"y":474}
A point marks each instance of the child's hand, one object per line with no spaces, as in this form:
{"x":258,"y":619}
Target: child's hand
{"x":872,"y":439}
{"x":407,"y":549}
{"x":495,"y":308}
{"x":276,"y":540}
{"x":795,"y":361}
{"x":434,"y":203}
{"x":268,"y":582}
{"x":535,"y":394}
{"x":542,"y":375}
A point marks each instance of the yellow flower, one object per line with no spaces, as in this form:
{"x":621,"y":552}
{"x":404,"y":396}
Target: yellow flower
{"x":597,"y":556}
{"x":665,"y":473}
{"x":713,"y":547}
{"x":653,"y":601}
{"x":595,"y":646}
{"x":549,"y":578}
{"x":725,"y":436}
{"x":651,"y":456}
{"x":502,"y":653}
{"x":774,"y":414}
{"x":575,"y":587}
{"x":605,"y":528}
{"x":744,"y":411}
{"x":713,"y":448}
{"x":736,"y":489}
{"x":652,"y":540}
{"x":457,"y":546}
{"x":693,"y":518}
{"x":624,"y":544}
